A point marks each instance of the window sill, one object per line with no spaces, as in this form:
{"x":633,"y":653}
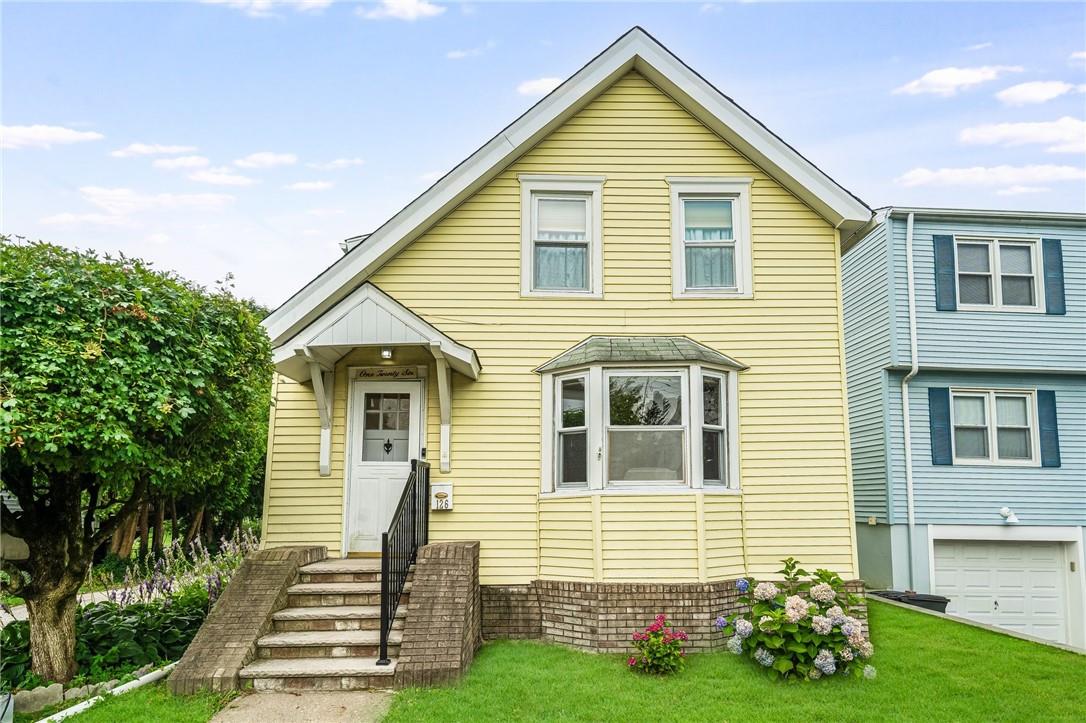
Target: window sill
{"x":1001,"y":309}
{"x":559,"y":294}
{"x":990,"y":463}
{"x":713,"y":294}
{"x":647,"y":490}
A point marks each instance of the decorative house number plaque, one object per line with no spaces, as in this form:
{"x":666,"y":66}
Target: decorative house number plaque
{"x":441,"y":497}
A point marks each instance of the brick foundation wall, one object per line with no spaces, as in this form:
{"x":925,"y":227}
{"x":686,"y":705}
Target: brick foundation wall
{"x":226,"y":641}
{"x":443,"y":628}
{"x":600,"y":617}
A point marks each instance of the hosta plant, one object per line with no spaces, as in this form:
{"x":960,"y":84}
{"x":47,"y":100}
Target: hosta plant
{"x":659,"y":648}
{"x":801,"y":628}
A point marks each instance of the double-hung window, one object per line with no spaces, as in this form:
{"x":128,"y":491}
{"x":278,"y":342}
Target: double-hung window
{"x":561,"y":248}
{"x":572,"y":433}
{"x":710,"y":237}
{"x":993,"y":427}
{"x":998,"y":274}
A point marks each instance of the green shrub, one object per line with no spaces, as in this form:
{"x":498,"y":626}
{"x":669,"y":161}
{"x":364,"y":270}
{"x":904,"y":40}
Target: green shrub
{"x":659,"y":648}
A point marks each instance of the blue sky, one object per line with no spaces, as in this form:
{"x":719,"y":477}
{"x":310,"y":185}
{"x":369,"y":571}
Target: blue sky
{"x":251,"y":136}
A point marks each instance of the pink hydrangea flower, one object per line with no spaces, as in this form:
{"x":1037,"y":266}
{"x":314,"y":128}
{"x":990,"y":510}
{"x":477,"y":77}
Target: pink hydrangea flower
{"x":765,"y":591}
{"x":823,"y":592}
{"x":795,"y":608}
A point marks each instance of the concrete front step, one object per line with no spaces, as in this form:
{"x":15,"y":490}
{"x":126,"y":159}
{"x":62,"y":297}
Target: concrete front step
{"x":334,"y":617}
{"x":327,"y":644}
{"x":348,"y":570}
{"x":339,"y":593}
{"x":318,"y":674}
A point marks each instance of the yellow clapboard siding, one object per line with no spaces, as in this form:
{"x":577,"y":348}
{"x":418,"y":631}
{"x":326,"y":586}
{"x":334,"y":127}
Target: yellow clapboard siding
{"x":463,"y":276}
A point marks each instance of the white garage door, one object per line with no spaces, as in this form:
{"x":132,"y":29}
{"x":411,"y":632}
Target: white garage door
{"x":1015,"y":585}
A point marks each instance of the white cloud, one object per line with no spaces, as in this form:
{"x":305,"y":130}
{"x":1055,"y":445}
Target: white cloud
{"x":1006,"y":176}
{"x":1036,"y":91}
{"x":409,"y":10}
{"x":266,"y":8}
{"x":1066,"y":135}
{"x":266,"y":159}
{"x":946,"y":82}
{"x":337,"y":164}
{"x":40,"y":136}
{"x":978,"y":46}
{"x":85,"y":219}
{"x":325,"y":212}
{"x":171,"y":164}
{"x":309,"y":186}
{"x":1077,"y":58}
{"x":1020,"y":190}
{"x":470,"y":52}
{"x":125,"y":201}
{"x":150,"y":149}
{"x":221,"y":176}
{"x":711,"y":8}
{"x":539,"y":86}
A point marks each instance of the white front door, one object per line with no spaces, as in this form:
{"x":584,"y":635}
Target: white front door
{"x":1015,"y":585}
{"x":385,"y":435}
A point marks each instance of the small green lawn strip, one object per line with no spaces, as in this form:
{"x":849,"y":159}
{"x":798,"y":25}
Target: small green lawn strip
{"x":928,"y":669}
{"x":152,"y":702}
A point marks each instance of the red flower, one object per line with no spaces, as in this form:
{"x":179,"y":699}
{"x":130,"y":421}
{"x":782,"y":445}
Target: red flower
{"x":631,"y":662}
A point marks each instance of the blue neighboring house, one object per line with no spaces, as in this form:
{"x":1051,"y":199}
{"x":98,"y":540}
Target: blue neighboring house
{"x":975,"y":323}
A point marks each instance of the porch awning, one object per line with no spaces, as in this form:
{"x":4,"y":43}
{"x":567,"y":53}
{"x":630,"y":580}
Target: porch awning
{"x":638,"y":349}
{"x":367,"y":317}
{"x":370,"y":317}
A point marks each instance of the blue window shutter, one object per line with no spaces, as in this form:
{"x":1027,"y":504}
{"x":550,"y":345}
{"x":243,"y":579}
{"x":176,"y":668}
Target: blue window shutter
{"x":1049,"y":429}
{"x":939,"y":420}
{"x":1052,"y":253}
{"x":946,"y":296}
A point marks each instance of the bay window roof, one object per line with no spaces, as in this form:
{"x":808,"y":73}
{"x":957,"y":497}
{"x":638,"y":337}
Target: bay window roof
{"x":638,"y":349}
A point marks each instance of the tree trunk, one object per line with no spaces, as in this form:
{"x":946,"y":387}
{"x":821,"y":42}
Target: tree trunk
{"x":52,"y":633}
{"x":144,"y":510}
{"x":173,"y":520}
{"x":197,"y":522}
{"x":128,"y":536}
{"x":160,"y":520}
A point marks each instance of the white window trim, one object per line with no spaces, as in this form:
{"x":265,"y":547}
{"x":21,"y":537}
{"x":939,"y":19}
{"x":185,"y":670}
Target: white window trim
{"x":557,"y":431}
{"x":596,"y":418}
{"x":995,"y":270}
{"x":738,"y":191}
{"x":993,"y":459}
{"x":591,"y":186}
{"x":684,"y":426}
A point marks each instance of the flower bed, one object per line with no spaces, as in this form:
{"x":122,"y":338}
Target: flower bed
{"x":803,"y":630}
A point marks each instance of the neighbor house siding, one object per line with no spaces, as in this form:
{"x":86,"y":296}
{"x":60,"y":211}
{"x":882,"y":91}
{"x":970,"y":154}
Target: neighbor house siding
{"x":973,"y":494}
{"x":989,"y":339}
{"x":463,"y":276}
{"x":867,"y":308}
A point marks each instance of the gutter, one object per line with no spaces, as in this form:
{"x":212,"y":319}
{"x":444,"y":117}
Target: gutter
{"x":914,"y":368}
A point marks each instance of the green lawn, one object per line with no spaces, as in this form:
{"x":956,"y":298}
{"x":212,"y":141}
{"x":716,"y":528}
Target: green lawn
{"x":928,"y":669}
{"x":153,"y":703}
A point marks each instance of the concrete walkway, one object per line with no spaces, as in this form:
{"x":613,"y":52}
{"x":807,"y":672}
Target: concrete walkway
{"x":357,"y":706}
{"x":85,"y":598}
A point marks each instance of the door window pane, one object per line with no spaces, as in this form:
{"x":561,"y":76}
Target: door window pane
{"x":707,"y":219}
{"x":561,"y":266}
{"x":1017,"y":290}
{"x":573,"y":414}
{"x":385,"y":428}
{"x":561,"y":219}
{"x":645,"y":400}
{"x":710,"y":267}
{"x":636,"y":455}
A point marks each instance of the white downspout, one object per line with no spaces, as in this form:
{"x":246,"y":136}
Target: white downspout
{"x":905,"y":411}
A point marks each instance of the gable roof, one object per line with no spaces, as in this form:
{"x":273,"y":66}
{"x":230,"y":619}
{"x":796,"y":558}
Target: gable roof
{"x":636,"y":50}
{"x":608,"y":349}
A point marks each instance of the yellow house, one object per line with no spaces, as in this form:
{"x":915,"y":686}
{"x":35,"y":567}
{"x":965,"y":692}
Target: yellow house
{"x":614,"y":332}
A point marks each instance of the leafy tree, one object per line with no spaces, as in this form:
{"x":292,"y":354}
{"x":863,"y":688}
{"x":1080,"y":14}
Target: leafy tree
{"x":117,"y":383}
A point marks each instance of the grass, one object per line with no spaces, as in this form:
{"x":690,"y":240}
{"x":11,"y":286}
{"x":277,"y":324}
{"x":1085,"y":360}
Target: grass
{"x":928,"y":669}
{"x":154,"y":703}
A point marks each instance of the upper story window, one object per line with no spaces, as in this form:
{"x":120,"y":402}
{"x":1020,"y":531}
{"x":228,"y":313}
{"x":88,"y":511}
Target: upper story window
{"x":711,"y":254}
{"x":998,"y":274}
{"x":561,"y":236}
{"x":993,"y":427}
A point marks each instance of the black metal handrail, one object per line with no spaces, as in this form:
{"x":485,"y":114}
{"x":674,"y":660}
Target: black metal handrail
{"x":408,"y":531}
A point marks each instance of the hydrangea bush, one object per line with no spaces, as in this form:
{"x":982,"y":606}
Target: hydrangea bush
{"x":801,"y":629}
{"x":659,"y":648}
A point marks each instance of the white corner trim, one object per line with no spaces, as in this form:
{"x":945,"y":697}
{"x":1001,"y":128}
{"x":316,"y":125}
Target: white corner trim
{"x":636,"y":50}
{"x":444,"y":398}
{"x":590,"y":186}
{"x":323,"y":384}
{"x":738,"y":190}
